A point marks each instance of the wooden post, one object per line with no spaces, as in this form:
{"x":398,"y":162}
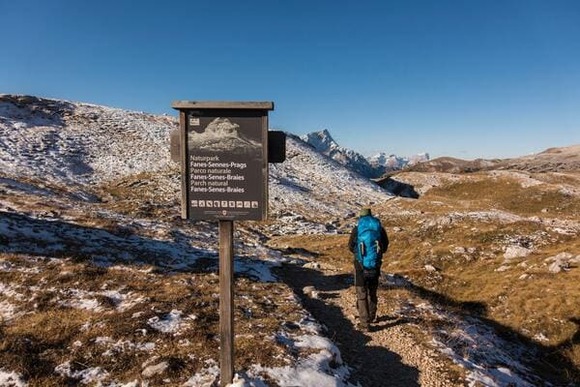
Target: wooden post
{"x":184,"y":165}
{"x":226,"y":277}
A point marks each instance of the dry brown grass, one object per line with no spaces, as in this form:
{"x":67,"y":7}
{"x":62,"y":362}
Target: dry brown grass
{"x":509,"y":195}
{"x":49,"y":331}
{"x":144,"y":196}
{"x":525,"y":299}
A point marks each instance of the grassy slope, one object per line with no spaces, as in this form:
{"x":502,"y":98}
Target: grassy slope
{"x":522,"y":298}
{"x":51,"y":327}
{"x":525,"y":299}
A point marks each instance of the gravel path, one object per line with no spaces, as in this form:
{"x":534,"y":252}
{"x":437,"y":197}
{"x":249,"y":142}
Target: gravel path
{"x":388,"y":355}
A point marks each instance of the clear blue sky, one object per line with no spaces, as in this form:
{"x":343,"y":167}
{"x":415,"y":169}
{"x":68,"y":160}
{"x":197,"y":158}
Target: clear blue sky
{"x":479,"y":78}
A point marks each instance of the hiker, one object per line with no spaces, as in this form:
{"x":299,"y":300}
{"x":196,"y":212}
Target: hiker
{"x":368,"y":242}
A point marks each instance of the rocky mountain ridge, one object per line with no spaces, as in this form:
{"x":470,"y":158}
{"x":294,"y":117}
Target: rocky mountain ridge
{"x":391,"y":162}
{"x":371,"y":167}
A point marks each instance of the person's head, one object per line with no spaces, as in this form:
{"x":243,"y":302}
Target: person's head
{"x":365,"y":212}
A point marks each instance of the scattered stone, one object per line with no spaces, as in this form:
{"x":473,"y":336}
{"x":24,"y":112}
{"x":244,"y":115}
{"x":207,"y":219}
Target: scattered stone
{"x":559,"y":257}
{"x":559,"y":263}
{"x":312,"y":265}
{"x":290,"y":325}
{"x":558,"y":266}
{"x":310,"y":291}
{"x":502,"y":268}
{"x":153,"y":370}
{"x":459,"y":250}
{"x":513,"y":252}
{"x":430,"y":268}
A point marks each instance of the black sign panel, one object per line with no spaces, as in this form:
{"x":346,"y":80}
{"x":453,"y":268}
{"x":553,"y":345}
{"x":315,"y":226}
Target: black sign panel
{"x":276,"y":146}
{"x":226,"y":163}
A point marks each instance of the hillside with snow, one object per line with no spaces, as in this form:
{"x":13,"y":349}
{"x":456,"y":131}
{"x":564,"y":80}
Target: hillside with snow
{"x":79,"y":143}
{"x":88,"y":145}
{"x":87,"y":188}
{"x":103,"y":283}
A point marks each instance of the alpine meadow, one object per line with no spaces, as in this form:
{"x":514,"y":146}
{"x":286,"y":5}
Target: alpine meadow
{"x":102,"y":282}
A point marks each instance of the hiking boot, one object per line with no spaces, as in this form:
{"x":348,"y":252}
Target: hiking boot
{"x":364,"y":327}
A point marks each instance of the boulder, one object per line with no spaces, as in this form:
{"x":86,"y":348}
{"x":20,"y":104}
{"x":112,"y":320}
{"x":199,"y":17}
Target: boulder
{"x":513,"y":252}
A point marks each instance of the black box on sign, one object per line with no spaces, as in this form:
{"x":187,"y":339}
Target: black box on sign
{"x":276,"y":146}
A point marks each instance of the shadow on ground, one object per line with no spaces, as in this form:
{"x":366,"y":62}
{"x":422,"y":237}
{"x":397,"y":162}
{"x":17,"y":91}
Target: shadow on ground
{"x":398,"y":188}
{"x":22,"y":234}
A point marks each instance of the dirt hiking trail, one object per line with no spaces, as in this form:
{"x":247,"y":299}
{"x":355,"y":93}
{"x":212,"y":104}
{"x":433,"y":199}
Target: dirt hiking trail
{"x":388,"y":355}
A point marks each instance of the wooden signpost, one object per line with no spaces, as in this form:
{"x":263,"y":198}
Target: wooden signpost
{"x":224,"y":149}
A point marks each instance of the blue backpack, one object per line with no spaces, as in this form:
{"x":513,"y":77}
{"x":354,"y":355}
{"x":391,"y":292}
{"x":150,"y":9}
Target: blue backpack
{"x":368,"y":251}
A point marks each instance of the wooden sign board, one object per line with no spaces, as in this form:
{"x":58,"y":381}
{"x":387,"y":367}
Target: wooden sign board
{"x":223,"y":150}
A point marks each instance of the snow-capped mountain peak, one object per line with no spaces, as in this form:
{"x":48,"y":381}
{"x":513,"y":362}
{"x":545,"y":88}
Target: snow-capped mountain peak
{"x":391,"y":162}
{"x":372,"y":167}
{"x":322,"y":141}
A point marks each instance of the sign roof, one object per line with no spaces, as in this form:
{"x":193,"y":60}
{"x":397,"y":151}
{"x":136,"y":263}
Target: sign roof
{"x":259,"y":105}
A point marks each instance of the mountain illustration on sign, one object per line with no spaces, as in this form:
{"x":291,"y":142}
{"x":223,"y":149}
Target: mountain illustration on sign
{"x":223,"y":135}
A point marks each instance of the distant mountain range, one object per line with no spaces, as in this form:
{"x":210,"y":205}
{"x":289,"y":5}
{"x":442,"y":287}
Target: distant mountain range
{"x":550,"y":160}
{"x":382,"y":165}
{"x":371,"y":167}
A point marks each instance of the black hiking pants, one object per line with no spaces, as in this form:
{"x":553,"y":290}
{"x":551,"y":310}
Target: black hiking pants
{"x":366,"y":285}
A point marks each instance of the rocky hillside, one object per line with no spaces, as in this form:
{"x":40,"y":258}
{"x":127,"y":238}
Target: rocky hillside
{"x":78,"y":142}
{"x":90,"y":235}
{"x":91,"y":146}
{"x":103,"y":283}
{"x":550,"y":160}
{"x":452,"y":165}
{"x":490,"y":255}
